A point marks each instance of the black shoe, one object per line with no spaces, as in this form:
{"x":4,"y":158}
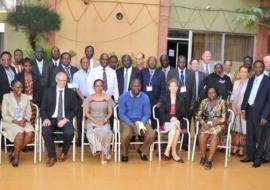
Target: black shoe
{"x":180,"y":160}
{"x":256,"y":164}
{"x":246,"y":160}
{"x":142,"y":155}
{"x":264,"y":161}
{"x":15,"y":162}
{"x":124,"y":159}
{"x":208,"y":165}
{"x":202,"y":161}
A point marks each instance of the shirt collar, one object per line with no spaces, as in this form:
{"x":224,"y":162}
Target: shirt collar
{"x":184,"y":70}
{"x":60,"y":89}
{"x":260,"y":76}
{"x":66,"y":67}
{"x":130,"y":93}
{"x":39,"y":62}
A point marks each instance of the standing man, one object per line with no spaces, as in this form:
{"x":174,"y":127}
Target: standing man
{"x":134,"y":108}
{"x":58,"y":108}
{"x":140,"y":61}
{"x":255,"y":108}
{"x":113,"y":62}
{"x":107,"y":74}
{"x":89,"y":53}
{"x":165,"y":64}
{"x":228,"y":69}
{"x":199,"y":78}
{"x":18,"y":61}
{"x":42,"y":68}
{"x":83,"y":91}
{"x":55,"y":56}
{"x":66,"y":67}
{"x":126,"y":74}
{"x":206,"y":66}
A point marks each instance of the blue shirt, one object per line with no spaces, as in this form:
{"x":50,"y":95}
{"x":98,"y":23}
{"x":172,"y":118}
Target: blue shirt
{"x":133,"y":108}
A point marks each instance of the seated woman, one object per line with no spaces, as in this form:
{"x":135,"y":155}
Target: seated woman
{"x":171,"y":113}
{"x":98,"y":109}
{"x":212,"y":116}
{"x":16,"y":113}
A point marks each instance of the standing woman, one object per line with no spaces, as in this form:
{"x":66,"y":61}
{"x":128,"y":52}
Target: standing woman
{"x":171,"y":115}
{"x":16,"y":113}
{"x":212,"y":116}
{"x":31,"y":82}
{"x":98,"y":109}
{"x":239,"y":125}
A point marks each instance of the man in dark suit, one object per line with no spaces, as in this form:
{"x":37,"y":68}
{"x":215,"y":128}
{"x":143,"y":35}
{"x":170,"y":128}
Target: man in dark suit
{"x":153,"y":80}
{"x":186,"y":80}
{"x":58,"y":108}
{"x":199,"y":78}
{"x":7,"y":74}
{"x":165,"y":64}
{"x":66,"y":67}
{"x":126,"y":74}
{"x":42,"y":68}
{"x":255,"y":108}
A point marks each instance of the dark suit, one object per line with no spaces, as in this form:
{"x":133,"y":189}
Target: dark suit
{"x":199,"y":90}
{"x":47,"y":110}
{"x":256,"y":133}
{"x":36,"y":86}
{"x":4,"y":83}
{"x":158,"y":84}
{"x":165,"y":109}
{"x":59,"y":69}
{"x":45,"y":75}
{"x":189,"y":95}
{"x":120,"y":78}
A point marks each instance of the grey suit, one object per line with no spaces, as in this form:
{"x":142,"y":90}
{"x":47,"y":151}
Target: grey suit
{"x":189,"y":95}
{"x":45,"y":75}
{"x":202,"y":68}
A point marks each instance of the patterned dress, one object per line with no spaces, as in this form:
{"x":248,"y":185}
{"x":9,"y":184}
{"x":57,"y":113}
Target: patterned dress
{"x":99,"y":137}
{"x":217,"y":113}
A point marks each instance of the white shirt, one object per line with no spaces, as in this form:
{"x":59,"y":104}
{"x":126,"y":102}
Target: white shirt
{"x":80,"y":82}
{"x":112,"y":83}
{"x":57,"y":62}
{"x":205,"y":67}
{"x":10,"y":75}
{"x":255,"y":87}
{"x":129,"y":70}
{"x":40,"y":65}
{"x":166,"y":71}
{"x":63,"y":100}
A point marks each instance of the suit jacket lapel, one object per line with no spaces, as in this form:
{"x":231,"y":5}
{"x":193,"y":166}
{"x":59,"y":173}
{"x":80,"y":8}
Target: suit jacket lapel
{"x":44,"y":68}
{"x":260,"y":87}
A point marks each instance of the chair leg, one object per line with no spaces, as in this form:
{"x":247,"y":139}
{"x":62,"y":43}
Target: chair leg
{"x":74,"y":148}
{"x":159,"y":147}
{"x":5,"y":143}
{"x":119,"y":149}
{"x":82,"y":149}
{"x":0,"y":148}
{"x":181,"y":142}
{"x":189,"y":145}
{"x":35,"y":149}
{"x":151,"y":151}
{"x":194,"y":147}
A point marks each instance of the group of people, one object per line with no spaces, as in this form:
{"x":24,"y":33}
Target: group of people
{"x":201,"y":91}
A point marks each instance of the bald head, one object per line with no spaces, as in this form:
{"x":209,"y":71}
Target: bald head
{"x":266,"y":61}
{"x":207,"y":56}
{"x":61,"y":80}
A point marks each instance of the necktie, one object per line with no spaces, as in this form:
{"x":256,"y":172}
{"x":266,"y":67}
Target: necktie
{"x":126,"y":80}
{"x":105,"y":79}
{"x":60,"y":106}
{"x":207,"y":69}
{"x":197,"y":85}
{"x":182,"y":80}
{"x":68,"y":74}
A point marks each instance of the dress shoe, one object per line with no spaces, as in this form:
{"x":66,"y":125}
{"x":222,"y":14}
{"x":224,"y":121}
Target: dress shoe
{"x":62,"y":157}
{"x":208,"y":165}
{"x":256,"y":164}
{"x":264,"y":160}
{"x":202,"y":161}
{"x":246,"y":160}
{"x":124,"y":159}
{"x":164,"y":157}
{"x":51,"y":162}
{"x":142,"y":155}
{"x":15,"y":162}
{"x":180,"y":160}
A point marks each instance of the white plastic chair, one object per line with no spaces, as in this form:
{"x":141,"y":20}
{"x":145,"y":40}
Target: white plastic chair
{"x":118,"y":136}
{"x":41,"y":142}
{"x":227,"y":147}
{"x":159,"y":133}
{"x":83,"y":143}
{"x":34,"y":144}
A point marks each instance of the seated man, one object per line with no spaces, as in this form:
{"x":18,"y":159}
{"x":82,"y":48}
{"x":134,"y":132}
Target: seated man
{"x":134,"y":113}
{"x":59,"y":106}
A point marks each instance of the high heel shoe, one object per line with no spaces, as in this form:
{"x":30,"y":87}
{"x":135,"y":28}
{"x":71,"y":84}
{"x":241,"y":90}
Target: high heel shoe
{"x":164,"y":157}
{"x":15,"y":162}
{"x":202,"y":161}
{"x":180,"y":160}
{"x":208,"y":165}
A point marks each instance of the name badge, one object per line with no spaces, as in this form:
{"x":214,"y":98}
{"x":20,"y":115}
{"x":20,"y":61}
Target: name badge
{"x":183,"y":89}
{"x":149,"y":88}
{"x":70,"y":85}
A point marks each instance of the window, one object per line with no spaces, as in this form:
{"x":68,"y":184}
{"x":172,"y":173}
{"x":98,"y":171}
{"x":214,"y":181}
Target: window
{"x":207,"y":41}
{"x":8,"y":5}
{"x":1,"y":41}
{"x":237,"y":47}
